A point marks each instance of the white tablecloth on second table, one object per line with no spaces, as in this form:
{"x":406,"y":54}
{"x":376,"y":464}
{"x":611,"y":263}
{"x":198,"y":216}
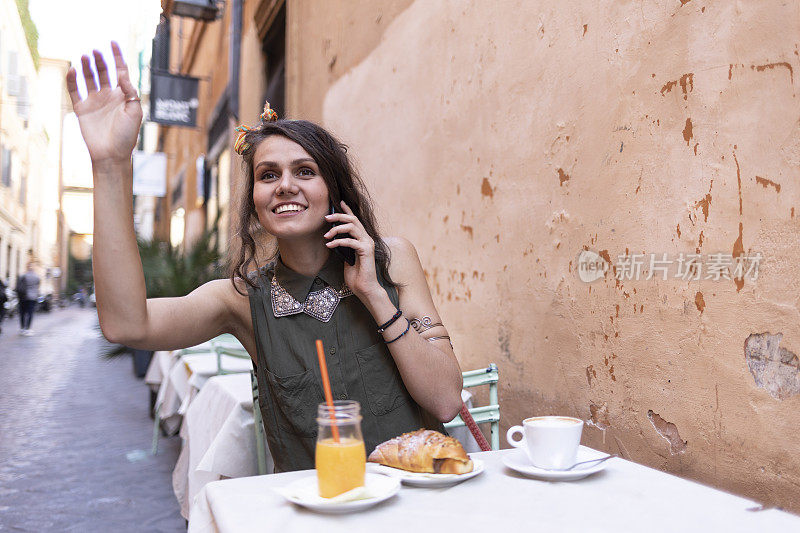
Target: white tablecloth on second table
{"x":624,"y":497}
{"x":186,"y":375}
{"x":175,"y":391}
{"x":158,"y":369}
{"x":219,"y":437}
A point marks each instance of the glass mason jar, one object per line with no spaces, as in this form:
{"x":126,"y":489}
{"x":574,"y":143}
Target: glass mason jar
{"x":340,"y":458}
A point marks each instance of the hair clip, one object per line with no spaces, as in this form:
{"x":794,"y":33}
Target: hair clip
{"x":240,"y":146}
{"x":269,"y":114}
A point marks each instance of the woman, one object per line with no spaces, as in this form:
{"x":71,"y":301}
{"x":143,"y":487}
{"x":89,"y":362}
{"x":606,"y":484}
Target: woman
{"x":296,"y":171}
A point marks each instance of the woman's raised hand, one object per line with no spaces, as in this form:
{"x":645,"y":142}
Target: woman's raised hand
{"x":109,"y":117}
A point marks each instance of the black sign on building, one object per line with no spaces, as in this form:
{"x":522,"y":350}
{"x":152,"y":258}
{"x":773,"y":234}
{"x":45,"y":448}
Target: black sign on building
{"x":173,"y":99}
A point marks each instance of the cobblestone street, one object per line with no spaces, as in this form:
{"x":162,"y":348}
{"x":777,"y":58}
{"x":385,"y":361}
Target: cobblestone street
{"x":75,"y":434}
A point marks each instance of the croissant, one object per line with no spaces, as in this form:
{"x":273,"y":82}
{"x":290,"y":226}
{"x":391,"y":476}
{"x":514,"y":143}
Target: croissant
{"x":423,"y":450}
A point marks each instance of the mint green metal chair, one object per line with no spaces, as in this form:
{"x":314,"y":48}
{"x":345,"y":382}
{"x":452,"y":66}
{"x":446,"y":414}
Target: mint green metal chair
{"x":230,"y":347}
{"x":261,"y":437}
{"x":489,"y":414}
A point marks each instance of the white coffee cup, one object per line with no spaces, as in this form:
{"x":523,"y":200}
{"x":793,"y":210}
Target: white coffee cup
{"x":551,"y":442}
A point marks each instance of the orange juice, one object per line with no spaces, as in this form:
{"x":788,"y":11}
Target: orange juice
{"x":340,"y":465}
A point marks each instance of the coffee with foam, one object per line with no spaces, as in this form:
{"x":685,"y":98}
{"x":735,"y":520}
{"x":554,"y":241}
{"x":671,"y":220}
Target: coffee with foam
{"x":552,"y":421}
{"x":551,"y":442}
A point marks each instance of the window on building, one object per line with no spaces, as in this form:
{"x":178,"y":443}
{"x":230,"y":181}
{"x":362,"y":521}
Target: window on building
{"x":5,"y":166}
{"x":23,"y":102}
{"x":13,"y":78}
{"x":224,"y":198}
{"x":159,"y":60}
{"x":9,"y":264}
{"x":274,"y":48}
{"x":177,"y":193}
{"x":23,"y":188}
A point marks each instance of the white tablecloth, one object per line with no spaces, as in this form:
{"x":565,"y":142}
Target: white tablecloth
{"x":625,"y":497}
{"x":174,"y":392}
{"x":158,"y":369}
{"x":219,"y":437}
{"x":183,"y":380}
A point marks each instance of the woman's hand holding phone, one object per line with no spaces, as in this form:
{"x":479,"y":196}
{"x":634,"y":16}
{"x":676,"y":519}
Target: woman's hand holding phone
{"x":361,"y":276}
{"x":347,"y":254}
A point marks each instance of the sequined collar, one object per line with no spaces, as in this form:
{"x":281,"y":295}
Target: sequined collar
{"x":292,"y":293}
{"x":319,"y":304}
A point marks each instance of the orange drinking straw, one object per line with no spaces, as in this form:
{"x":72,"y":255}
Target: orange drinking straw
{"x":326,"y":385}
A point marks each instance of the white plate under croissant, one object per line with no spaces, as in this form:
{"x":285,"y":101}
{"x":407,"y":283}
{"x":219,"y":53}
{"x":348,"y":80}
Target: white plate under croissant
{"x":425,"y":479}
{"x":424,"y":458}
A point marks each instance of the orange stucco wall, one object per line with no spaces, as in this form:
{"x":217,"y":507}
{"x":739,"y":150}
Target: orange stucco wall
{"x":505,"y":137}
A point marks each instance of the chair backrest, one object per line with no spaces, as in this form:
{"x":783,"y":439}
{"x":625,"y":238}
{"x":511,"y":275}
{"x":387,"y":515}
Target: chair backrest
{"x":488,"y":414}
{"x":261,"y":437}
{"x":230,"y":346}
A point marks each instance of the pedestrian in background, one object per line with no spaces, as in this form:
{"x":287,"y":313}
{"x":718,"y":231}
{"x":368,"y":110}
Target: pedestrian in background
{"x":27,"y":293}
{"x":3,"y":300}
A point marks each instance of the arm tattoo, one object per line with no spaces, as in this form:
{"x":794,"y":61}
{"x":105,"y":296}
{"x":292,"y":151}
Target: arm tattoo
{"x":424,"y":323}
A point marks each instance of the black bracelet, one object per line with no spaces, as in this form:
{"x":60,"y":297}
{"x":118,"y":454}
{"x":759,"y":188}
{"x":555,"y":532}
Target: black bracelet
{"x":408,"y":326}
{"x":391,"y":321}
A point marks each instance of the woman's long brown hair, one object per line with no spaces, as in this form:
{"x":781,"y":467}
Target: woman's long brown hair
{"x":340,"y":176}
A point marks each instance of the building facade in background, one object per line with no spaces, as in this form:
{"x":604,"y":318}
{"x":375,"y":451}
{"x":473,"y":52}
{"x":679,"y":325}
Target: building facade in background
{"x":33,"y":101}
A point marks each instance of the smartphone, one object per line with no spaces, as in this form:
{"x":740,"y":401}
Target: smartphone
{"x":347,"y":254}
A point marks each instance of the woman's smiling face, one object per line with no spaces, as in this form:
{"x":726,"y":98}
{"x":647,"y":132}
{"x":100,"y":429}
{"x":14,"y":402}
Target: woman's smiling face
{"x":290,"y":196}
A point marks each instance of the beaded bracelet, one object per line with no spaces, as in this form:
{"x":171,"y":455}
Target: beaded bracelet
{"x":391,"y":321}
{"x":408,"y":326}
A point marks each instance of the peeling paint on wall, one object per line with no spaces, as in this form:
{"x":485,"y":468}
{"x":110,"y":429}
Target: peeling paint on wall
{"x":738,"y":251}
{"x":686,"y":82}
{"x":687,"y":131}
{"x":699,"y":301}
{"x":599,"y":416}
{"x":704,"y":204}
{"x":765,"y":182}
{"x":562,"y":176}
{"x":668,"y":431}
{"x":774,"y":369}
{"x":783,"y":64}
{"x":486,"y":188}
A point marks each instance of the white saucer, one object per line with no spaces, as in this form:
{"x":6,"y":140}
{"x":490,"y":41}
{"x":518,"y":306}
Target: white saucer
{"x":419,"y":479}
{"x":519,"y":462}
{"x":304,"y":492}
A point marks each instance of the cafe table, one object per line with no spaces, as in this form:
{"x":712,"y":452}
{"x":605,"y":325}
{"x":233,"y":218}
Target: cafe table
{"x":218,"y":437}
{"x":158,"y":369}
{"x":185,"y":378}
{"x":624,"y":497}
{"x":174,"y":389}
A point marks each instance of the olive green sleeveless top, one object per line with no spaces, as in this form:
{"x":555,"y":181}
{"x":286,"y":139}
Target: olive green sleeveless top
{"x":360,"y":366}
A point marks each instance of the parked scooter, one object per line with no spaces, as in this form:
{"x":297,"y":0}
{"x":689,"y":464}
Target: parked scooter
{"x":12,"y":303}
{"x":79,"y":298}
{"x":44,"y":303}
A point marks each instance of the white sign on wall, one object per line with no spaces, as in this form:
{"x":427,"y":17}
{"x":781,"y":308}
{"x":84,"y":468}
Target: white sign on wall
{"x":149,"y":174}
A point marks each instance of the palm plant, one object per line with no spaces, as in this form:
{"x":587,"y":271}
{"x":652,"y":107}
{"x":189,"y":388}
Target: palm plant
{"x":168,"y":271}
{"x":172,"y":271}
